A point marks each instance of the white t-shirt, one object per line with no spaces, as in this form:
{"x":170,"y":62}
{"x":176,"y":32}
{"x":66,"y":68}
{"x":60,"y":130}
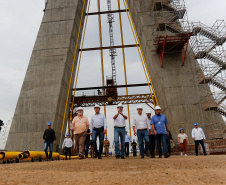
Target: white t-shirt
{"x":182,"y":137}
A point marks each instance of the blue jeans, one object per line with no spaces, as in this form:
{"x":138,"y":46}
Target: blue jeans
{"x":161,"y":138}
{"x":134,"y":151}
{"x":50,"y":145}
{"x":197,"y":145}
{"x":119,"y":132}
{"x":143,"y":136}
{"x":98,"y":132}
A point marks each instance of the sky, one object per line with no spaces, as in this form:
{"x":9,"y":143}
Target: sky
{"x":19,"y":24}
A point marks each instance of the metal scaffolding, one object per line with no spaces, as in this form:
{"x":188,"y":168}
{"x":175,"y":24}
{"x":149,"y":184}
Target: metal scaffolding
{"x":111,"y":34}
{"x":172,"y":31}
{"x":207,"y":45}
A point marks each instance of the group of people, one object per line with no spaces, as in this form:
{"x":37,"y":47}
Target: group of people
{"x":149,"y":130}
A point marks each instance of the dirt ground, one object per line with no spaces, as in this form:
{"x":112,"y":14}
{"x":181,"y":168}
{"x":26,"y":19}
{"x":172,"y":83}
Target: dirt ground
{"x":174,"y":170}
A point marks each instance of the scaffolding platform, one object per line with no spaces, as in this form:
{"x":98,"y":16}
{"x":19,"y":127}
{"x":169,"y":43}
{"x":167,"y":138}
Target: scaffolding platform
{"x":172,"y":44}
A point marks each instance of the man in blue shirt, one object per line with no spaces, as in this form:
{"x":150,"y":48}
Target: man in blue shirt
{"x":160,"y":127}
{"x":127,"y":141}
{"x":98,"y":128}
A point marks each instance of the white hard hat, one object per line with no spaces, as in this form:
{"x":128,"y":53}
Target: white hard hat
{"x":80,"y":108}
{"x":139,"y":107}
{"x":120,"y":105}
{"x":157,"y":108}
{"x":97,"y":106}
{"x":148,"y":112}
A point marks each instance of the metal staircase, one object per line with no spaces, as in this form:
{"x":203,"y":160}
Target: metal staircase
{"x":207,"y":44}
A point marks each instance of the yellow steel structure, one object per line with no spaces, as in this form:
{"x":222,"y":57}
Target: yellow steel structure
{"x":139,"y":48}
{"x":143,"y":60}
{"x":72,"y":69}
{"x":124,"y":63}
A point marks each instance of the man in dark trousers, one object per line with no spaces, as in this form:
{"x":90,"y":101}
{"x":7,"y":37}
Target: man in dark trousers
{"x":49,"y":138}
{"x":134,"y":145}
{"x":160,"y":127}
{"x":127,"y":142}
{"x":169,"y":140}
{"x":87,"y":143}
{"x":151,"y":136}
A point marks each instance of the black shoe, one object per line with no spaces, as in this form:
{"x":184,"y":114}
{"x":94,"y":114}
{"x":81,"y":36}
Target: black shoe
{"x":99,"y":157}
{"x":160,"y":156}
{"x":122,"y":157}
{"x":197,"y":155}
{"x":142,"y":157}
{"x":205,"y":154}
{"x":152,"y":156}
{"x":166,"y":155}
{"x":117,"y":156}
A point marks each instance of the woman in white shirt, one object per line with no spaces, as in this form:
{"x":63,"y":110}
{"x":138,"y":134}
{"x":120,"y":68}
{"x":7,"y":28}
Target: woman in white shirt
{"x":183,"y":141}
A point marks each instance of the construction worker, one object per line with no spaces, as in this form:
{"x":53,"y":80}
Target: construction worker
{"x":119,"y":131}
{"x":134,"y":145}
{"x":49,"y":138}
{"x":141,"y":126}
{"x":79,"y":126}
{"x":151,"y":136}
{"x":67,"y":145}
{"x":91,"y":149}
{"x":169,"y":140}
{"x":160,"y":126}
{"x":87,"y":143}
{"x":106,"y":147}
{"x":199,"y":138}
{"x":98,"y":127}
{"x":127,"y":142}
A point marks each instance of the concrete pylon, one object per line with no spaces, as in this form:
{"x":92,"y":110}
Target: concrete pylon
{"x":45,"y":87}
{"x":178,"y":93}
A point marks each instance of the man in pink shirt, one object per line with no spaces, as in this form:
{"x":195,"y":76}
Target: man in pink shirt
{"x":79,"y":126}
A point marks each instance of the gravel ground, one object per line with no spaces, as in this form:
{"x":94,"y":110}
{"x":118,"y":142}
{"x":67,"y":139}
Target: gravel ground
{"x":133,"y":170}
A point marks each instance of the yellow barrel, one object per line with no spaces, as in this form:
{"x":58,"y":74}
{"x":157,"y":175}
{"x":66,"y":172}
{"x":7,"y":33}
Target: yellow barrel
{"x":54,"y":155}
{"x":1,"y":156}
{"x":11,"y":155}
{"x":72,"y":157}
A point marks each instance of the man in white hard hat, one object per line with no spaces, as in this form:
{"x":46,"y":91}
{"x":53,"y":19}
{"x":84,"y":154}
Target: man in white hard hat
{"x":141,"y":126}
{"x":119,"y":131}
{"x":79,"y":126}
{"x":199,"y":137}
{"x":160,"y":126}
{"x":98,"y":128}
{"x":151,"y":136}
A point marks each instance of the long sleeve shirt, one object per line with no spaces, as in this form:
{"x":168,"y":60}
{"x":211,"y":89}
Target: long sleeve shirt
{"x":127,"y":138}
{"x":98,"y":121}
{"x":49,"y":135}
{"x":67,"y":143}
{"x":198,"y":134}
{"x":141,"y":122}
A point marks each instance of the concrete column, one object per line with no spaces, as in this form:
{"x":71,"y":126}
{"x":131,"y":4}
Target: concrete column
{"x":178,"y":92}
{"x":44,"y":91}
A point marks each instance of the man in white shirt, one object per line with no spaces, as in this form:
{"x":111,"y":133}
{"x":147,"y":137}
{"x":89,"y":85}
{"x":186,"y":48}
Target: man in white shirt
{"x":141,"y":126}
{"x":119,"y":131}
{"x":199,"y":137}
{"x":98,"y":128}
